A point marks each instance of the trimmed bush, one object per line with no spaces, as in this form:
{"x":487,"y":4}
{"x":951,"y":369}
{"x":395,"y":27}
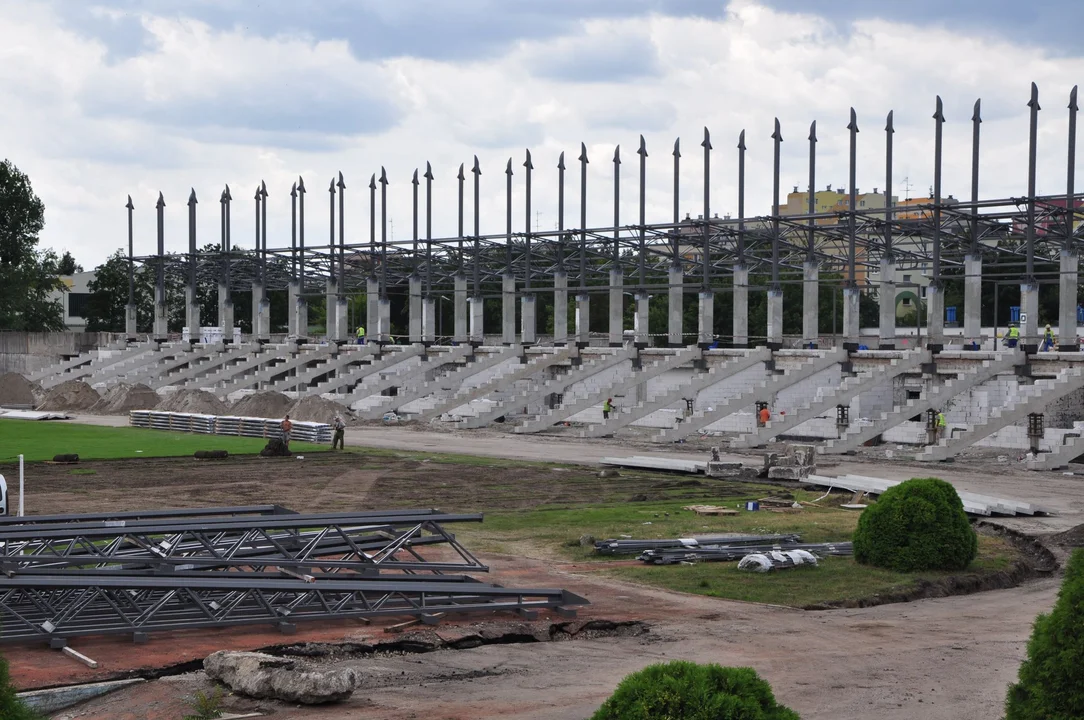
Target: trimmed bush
{"x":1051,"y":685}
{"x":11,"y":708}
{"x":689,"y":691}
{"x":917,"y":525}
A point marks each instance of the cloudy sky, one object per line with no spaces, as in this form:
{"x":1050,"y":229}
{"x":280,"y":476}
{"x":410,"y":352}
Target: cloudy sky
{"x":105,"y":98}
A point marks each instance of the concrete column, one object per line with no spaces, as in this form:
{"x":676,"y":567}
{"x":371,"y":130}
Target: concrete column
{"x":528,"y":320}
{"x":292,"y":289}
{"x":851,"y":300}
{"x":641,"y":332}
{"x":383,"y":319}
{"x":1067,"y":335}
{"x":261,"y":311}
{"x":1029,"y":307}
{"x":330,"y":294}
{"x":617,"y":306}
{"x":161,"y":318}
{"x":191,"y":315}
{"x":674,"y":309}
{"x":130,"y":320}
{"x":372,"y":310}
{"x":973,"y":298}
{"x":560,"y":308}
{"x":705,"y":326}
{"x":886,"y":326}
{"x":225,"y":313}
{"x":741,"y":306}
{"x":583,"y":318}
{"x":302,"y":317}
{"x":508,"y":309}
{"x":342,"y":322}
{"x":775,"y":316}
{"x":935,"y":314}
{"x":477,"y":319}
{"x":414,"y":309}
{"x":429,"y":320}
{"x":811,"y":309}
{"x":459,"y":310}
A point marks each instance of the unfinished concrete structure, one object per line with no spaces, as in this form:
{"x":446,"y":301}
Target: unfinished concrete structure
{"x":547,"y":365}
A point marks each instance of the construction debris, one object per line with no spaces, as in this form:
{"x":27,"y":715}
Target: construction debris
{"x":269,"y":404}
{"x":632,"y":547}
{"x":76,"y":655}
{"x":259,"y":675}
{"x":192,"y":401}
{"x":973,"y":504}
{"x":643,"y":462}
{"x":72,"y":395}
{"x":764,"y":562}
{"x":123,"y":398}
{"x":731,"y":552}
{"x":710,"y":510}
{"x":320,"y":410}
{"x":17,"y":391}
{"x":796,"y":464}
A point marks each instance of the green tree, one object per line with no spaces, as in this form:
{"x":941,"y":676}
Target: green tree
{"x":11,"y":708}
{"x":109,"y":295}
{"x":1051,"y":685}
{"x":67,"y":265}
{"x":27,"y":275}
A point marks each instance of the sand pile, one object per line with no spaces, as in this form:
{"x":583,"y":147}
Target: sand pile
{"x":16,"y":390}
{"x":193,"y":401}
{"x":317,"y":409}
{"x":268,"y":404}
{"x":70,"y":395}
{"x":121,"y":398}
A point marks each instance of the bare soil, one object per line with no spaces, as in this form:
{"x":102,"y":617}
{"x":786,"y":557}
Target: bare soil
{"x":70,"y":395}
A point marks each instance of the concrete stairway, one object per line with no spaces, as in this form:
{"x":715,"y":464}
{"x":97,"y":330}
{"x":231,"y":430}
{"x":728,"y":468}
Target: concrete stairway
{"x":261,"y":355}
{"x":536,"y":393}
{"x":585,"y":399}
{"x":500,"y":383}
{"x":827,"y":398}
{"x":1031,"y":399}
{"x":87,"y":366}
{"x":153,"y":374}
{"x":760,"y":389}
{"x":263,"y":374}
{"x":857,"y":434}
{"x":181,"y":377}
{"x":116,"y":351}
{"x":1071,"y":447}
{"x":660,"y":401}
{"x":324,"y":366}
{"x":345,"y":382}
{"x":451,"y":378}
{"x":369,"y":403}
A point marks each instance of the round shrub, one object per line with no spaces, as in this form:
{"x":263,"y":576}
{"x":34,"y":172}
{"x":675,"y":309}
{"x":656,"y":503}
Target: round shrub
{"x":1052,"y":676}
{"x":686,"y":690}
{"x":917,"y":525}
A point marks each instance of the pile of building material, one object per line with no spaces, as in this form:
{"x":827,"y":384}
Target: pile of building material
{"x":228,"y":425}
{"x":974,"y":504}
{"x":192,"y":401}
{"x":268,"y":404}
{"x":635,"y":547}
{"x":123,"y":398}
{"x":318,"y":409}
{"x":133,"y":573}
{"x":643,"y":462}
{"x":732,"y":552}
{"x":16,"y":391}
{"x":777,"y":559}
{"x":73,"y":395}
{"x":32,"y":415}
{"x":797,"y":463}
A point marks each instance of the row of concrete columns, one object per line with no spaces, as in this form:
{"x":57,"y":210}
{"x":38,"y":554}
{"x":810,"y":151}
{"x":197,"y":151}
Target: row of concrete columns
{"x":468,"y":315}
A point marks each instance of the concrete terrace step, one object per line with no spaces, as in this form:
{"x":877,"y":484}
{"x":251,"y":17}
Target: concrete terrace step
{"x":350,"y":374}
{"x":617,"y":387}
{"x":232,"y":352}
{"x":324,"y":366}
{"x":857,"y":434}
{"x":700,"y":381}
{"x":533,"y":366}
{"x":1071,"y":447}
{"x":452,"y":378}
{"x":828,"y":398}
{"x":263,"y":374}
{"x":169,"y":359}
{"x":408,"y":379}
{"x":261,"y":354}
{"x":96,"y":368}
{"x":1032,"y":398}
{"x":764,"y":388}
{"x":555,"y":385}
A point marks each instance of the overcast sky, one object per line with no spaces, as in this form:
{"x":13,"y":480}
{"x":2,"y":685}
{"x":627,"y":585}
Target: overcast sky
{"x":102,"y":99}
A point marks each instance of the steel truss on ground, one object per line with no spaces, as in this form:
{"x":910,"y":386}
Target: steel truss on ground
{"x":1011,"y":233}
{"x":132,"y":573}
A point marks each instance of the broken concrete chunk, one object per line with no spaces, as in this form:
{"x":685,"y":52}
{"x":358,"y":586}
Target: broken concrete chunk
{"x":265,"y":676}
{"x":790,"y":472}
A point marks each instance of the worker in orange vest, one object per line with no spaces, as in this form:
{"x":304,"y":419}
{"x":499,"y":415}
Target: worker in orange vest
{"x":764,"y":416}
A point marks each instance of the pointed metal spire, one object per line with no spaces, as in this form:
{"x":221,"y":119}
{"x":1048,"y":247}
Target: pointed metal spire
{"x":383,"y":176}
{"x":161,"y":201}
{"x":643,"y":147}
{"x":583,"y":153}
{"x":561,"y":161}
{"x":706,"y":142}
{"x":777,"y":135}
{"x":300,"y":185}
{"x":508,"y":168}
{"x":129,"y":204}
{"x":293,"y":190}
{"x":414,"y":179}
{"x":228,"y":195}
{"x":263,"y":188}
{"x":340,"y":183}
{"x":477,"y":169}
{"x":428,"y":175}
{"x":527,"y":163}
{"x":938,"y":113}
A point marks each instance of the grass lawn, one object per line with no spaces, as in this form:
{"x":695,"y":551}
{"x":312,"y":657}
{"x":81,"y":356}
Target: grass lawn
{"x":41,"y":440}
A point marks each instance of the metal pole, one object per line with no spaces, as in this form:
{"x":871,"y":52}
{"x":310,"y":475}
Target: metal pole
{"x":1032,"y":150}
{"x":939,"y":121}
{"x":852,"y":220}
{"x":22,"y":486}
{"x":642,"y":268}
{"x":777,"y":137}
{"x":976,"y":121}
{"x":583,"y":216}
{"x":705,"y":270}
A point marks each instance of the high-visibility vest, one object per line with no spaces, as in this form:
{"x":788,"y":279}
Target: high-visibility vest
{"x":361,"y":332}
{"x":607,"y":406}
{"x":1014,"y":332}
{"x":940,"y":419}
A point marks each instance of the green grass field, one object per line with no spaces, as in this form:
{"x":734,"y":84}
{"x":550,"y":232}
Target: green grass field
{"x":42,"y":440}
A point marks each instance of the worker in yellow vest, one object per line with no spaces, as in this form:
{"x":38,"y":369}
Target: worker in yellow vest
{"x":1013,"y":337}
{"x":361,"y":335}
{"x":941,"y":424}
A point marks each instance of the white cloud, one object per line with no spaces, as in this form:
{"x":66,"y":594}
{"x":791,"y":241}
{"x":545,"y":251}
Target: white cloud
{"x":200,"y":107}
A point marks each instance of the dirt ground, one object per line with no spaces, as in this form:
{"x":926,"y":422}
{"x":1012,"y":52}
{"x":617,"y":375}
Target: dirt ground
{"x":942,"y":658}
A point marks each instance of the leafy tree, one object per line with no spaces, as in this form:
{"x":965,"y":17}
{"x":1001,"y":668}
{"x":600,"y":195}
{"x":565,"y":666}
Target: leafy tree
{"x":67,"y":265}
{"x":11,"y":708}
{"x":1051,"y":685}
{"x":109,"y":295}
{"x":27,"y":274}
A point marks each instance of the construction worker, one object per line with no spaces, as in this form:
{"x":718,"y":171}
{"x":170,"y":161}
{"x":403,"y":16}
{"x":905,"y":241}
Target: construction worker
{"x":286,"y":426}
{"x":941,"y":424}
{"x":340,"y":430}
{"x":1048,"y":339}
{"x":361,"y":334}
{"x":1013,"y":336}
{"x":607,"y":408}
{"x":764,"y":416}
